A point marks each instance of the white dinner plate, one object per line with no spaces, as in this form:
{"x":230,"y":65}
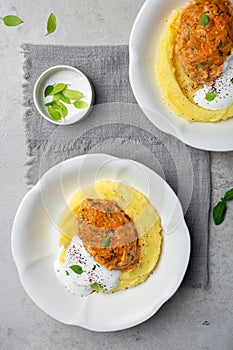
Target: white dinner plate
{"x":35,"y":245}
{"x":144,"y":39}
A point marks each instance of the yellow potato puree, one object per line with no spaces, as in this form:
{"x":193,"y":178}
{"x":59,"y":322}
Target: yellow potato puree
{"x":175,"y":85}
{"x":138,"y":208}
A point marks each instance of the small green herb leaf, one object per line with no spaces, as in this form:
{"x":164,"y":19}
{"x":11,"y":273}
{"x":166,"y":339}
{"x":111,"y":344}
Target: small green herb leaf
{"x":56,"y":105}
{"x":73,"y":94}
{"x":11,"y":20}
{"x":97,"y":287}
{"x":80,"y":104}
{"x":54,"y":114}
{"x":77,"y":269}
{"x":64,"y":98}
{"x":67,"y":273}
{"x":48,"y":90}
{"x":204,"y":20}
{"x":232,"y":80}
{"x":105,"y":242}
{"x":219,"y":212}
{"x":57,"y":97}
{"x":51,"y":24}
{"x":210,"y":96}
{"x":57,"y":88}
{"x":49,"y":103}
{"x":63,"y":109}
{"x":229,"y":195}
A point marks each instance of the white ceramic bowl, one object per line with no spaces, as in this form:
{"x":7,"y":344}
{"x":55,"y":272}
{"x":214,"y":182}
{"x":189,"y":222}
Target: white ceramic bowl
{"x":35,"y":245}
{"x":146,"y":33}
{"x":77,"y":81}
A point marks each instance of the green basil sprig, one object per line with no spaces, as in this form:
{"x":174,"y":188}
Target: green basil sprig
{"x":73,"y":94}
{"x":11,"y":20}
{"x":77,"y":269}
{"x":229,"y":195}
{"x":48,"y":90}
{"x":220,"y":209}
{"x":211,"y":96}
{"x":97,"y":287}
{"x":106,"y":242}
{"x":51,"y":24}
{"x":80,"y":104}
{"x":204,"y":20}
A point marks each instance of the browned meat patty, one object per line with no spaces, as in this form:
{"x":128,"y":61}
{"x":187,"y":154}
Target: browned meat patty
{"x":108,"y":234}
{"x":205,"y":39}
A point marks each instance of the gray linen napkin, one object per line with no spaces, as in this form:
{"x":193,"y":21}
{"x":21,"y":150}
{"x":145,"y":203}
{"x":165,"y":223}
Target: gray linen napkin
{"x":117,"y":126}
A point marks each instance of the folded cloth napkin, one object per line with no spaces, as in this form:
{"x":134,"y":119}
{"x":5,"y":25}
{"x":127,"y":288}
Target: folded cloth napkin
{"x":117,"y":126}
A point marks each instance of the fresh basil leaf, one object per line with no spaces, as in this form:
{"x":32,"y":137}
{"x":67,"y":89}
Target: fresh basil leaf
{"x":204,"y":20}
{"x":49,"y":103}
{"x":229,"y":195}
{"x":58,"y":108}
{"x":97,"y":287}
{"x":80,"y":104}
{"x":77,"y":269}
{"x":11,"y":20}
{"x":57,"y":97}
{"x":54,"y":114}
{"x":48,"y":90}
{"x":63,"y":108}
{"x":55,"y":105}
{"x":105,"y":242}
{"x":51,"y":24}
{"x":219,"y":212}
{"x":67,"y":273}
{"x":57,"y":88}
{"x":73,"y":94}
{"x":64,"y":98}
{"x":210,"y":96}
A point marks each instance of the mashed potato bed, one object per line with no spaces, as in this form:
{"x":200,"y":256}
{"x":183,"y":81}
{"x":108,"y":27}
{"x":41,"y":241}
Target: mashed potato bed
{"x":138,"y":208}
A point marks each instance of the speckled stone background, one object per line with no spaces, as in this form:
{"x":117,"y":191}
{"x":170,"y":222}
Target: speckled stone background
{"x":193,"y":318}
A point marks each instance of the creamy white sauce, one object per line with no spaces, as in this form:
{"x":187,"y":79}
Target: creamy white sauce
{"x":222,"y":86}
{"x":76,"y":254}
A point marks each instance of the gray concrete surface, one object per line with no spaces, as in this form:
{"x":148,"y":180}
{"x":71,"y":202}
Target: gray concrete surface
{"x":193,"y":319}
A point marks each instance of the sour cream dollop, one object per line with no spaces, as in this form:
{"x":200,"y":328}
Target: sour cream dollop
{"x":93,"y":272}
{"x":221,"y":90}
